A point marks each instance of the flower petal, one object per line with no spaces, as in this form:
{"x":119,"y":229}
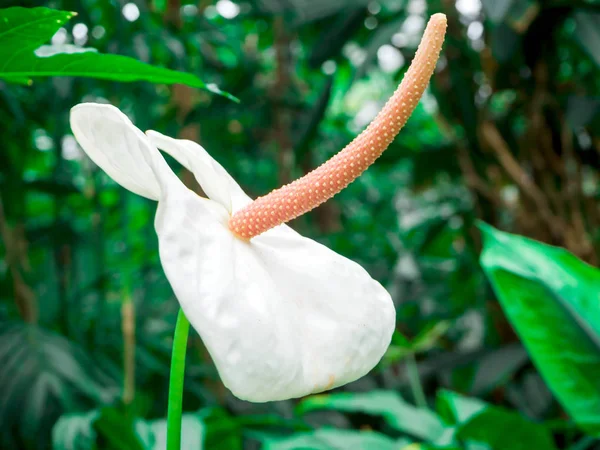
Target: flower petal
{"x":282,"y":316}
{"x":119,"y":148}
{"x":193,"y":157}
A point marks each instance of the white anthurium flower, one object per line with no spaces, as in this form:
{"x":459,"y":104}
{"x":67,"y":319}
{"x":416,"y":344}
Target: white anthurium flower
{"x":281,"y":315}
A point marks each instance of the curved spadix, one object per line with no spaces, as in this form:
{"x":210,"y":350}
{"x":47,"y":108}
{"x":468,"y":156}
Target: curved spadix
{"x":316,"y":187}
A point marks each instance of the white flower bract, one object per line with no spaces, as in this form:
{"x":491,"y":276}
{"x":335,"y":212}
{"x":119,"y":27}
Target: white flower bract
{"x":281,"y":315}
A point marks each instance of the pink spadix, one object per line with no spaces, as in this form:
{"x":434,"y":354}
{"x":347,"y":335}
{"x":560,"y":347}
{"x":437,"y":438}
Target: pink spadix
{"x":318,"y":186}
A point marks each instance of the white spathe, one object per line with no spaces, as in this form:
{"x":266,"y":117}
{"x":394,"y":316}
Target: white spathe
{"x":282,"y":315}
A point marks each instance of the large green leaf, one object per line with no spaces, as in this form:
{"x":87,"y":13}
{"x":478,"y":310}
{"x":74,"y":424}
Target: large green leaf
{"x":23,"y":30}
{"x":41,"y":375}
{"x":116,"y":430}
{"x":398,"y":414}
{"x":553,"y":301}
{"x":327,"y":439}
{"x":477,"y":421}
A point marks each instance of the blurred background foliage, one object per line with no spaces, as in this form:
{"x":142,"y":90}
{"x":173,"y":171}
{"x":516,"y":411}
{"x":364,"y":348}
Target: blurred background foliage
{"x":507,"y":133}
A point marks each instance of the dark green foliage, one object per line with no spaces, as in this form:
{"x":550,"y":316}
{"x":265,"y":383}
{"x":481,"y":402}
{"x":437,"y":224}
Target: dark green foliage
{"x":501,"y":358}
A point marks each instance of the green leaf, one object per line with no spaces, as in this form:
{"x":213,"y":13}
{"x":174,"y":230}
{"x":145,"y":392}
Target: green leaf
{"x":457,"y":409}
{"x":398,"y":414}
{"x":221,"y":430}
{"x":552,"y":300}
{"x":327,"y":439}
{"x":426,"y":340}
{"x":75,"y":431}
{"x":23,"y":30}
{"x":490,"y":426}
{"x":588,"y":33}
{"x":112,"y":428}
{"x":477,"y":421}
{"x":42,"y":374}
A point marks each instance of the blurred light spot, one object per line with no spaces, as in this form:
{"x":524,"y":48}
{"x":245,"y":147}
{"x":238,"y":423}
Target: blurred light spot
{"x":510,"y":194}
{"x":589,"y":183}
{"x":227,"y":9}
{"x":189,"y":10}
{"x":399,"y":40}
{"x":478,"y":45}
{"x":416,"y":7}
{"x":366,"y":113}
{"x":354,"y":53}
{"x":472,"y":326}
{"x":429,"y":103}
{"x":390,"y":58}
{"x":483,"y":93}
{"x":131,"y":12}
{"x":442,"y":63}
{"x":407,"y":267}
{"x":42,"y":141}
{"x":584,"y":139}
{"x":374,"y":8}
{"x":329,"y":67}
{"x":469,"y":8}
{"x":475,"y":30}
{"x":80,"y":31}
{"x":60,"y":37}
{"x":413,"y":26}
{"x":46,"y":51}
{"x":70,"y":149}
{"x":455,"y":222}
{"x":98,"y":32}
{"x":210,"y":12}
{"x":234,"y":127}
{"x":565,"y":69}
{"x":370,"y":23}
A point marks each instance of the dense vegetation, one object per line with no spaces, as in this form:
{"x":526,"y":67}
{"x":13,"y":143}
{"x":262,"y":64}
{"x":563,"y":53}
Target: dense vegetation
{"x":498,"y":335}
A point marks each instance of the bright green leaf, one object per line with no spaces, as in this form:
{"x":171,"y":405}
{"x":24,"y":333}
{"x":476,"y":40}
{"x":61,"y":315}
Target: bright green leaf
{"x":327,"y":439}
{"x":23,"y":30}
{"x":491,"y":426}
{"x":477,"y":421}
{"x":398,"y":414}
{"x":457,"y":409}
{"x":553,"y":301}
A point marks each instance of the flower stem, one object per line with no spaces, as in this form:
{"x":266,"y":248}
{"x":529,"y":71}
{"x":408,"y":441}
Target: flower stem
{"x":176,"y":382}
{"x":415,"y":382}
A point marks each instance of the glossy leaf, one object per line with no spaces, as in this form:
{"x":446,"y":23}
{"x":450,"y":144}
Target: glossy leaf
{"x":22,"y":30}
{"x":553,"y":301}
{"x":478,"y":421}
{"x":327,"y":439}
{"x":398,"y":414}
{"x":42,"y":374}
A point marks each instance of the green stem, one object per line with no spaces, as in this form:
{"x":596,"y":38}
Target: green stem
{"x":415,"y":382}
{"x":176,"y":382}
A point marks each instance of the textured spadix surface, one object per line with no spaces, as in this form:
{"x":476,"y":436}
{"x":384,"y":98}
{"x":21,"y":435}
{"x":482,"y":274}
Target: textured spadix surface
{"x":316,"y":187}
{"x":281,"y":315}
